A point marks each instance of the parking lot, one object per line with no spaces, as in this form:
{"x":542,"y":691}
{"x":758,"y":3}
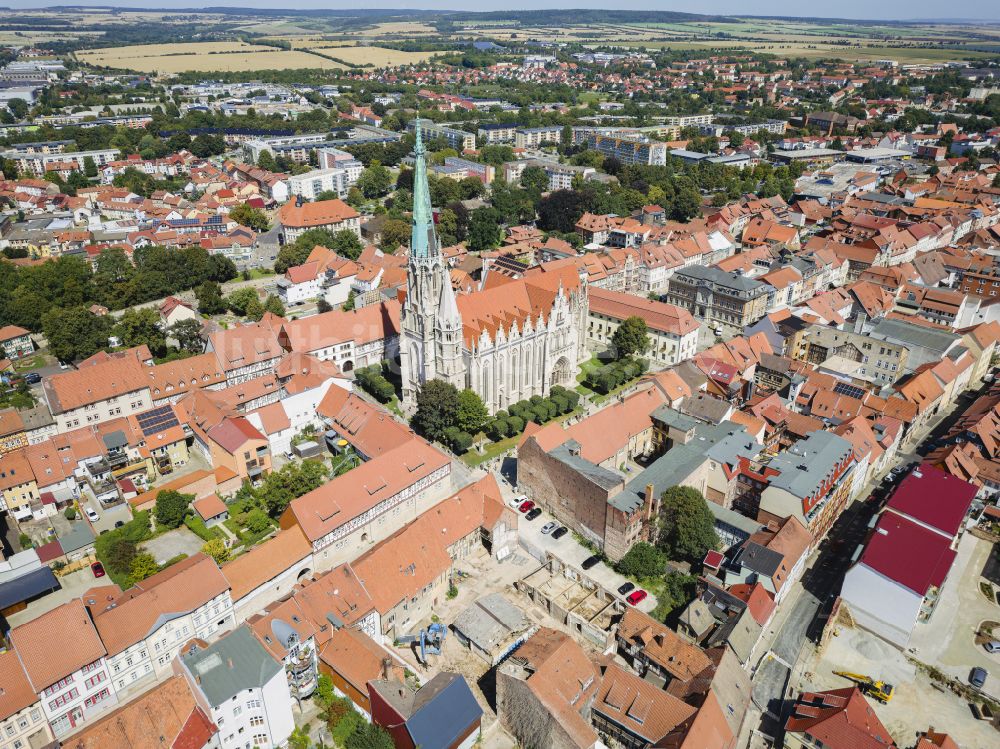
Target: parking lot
{"x":947,"y":641}
{"x":571,"y":553}
{"x":107,"y":516}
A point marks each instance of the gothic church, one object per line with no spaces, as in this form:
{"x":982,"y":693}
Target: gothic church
{"x":512,"y":339}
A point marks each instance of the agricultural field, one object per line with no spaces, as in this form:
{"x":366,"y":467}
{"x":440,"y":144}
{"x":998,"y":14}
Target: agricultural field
{"x":202,"y":56}
{"x":376,"y":56}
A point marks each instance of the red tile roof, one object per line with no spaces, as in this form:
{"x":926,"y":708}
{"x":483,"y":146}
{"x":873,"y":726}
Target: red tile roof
{"x":935,"y":498}
{"x":909,"y":554}
{"x":840,"y":719}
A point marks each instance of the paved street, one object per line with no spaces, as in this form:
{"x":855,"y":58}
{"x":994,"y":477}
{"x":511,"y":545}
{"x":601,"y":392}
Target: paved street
{"x":800,"y":618}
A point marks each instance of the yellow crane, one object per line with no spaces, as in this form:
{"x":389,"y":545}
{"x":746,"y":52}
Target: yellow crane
{"x":878,"y":690}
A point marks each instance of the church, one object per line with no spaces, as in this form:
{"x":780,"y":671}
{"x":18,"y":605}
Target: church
{"x":512,"y":339}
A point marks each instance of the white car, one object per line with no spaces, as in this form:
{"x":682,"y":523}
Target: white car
{"x":92,"y":516}
{"x":517,"y":501}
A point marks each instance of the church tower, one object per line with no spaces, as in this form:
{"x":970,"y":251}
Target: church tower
{"x":430,"y":343}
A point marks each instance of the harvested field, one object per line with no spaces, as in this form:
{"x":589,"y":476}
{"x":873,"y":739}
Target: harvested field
{"x":203,"y":56}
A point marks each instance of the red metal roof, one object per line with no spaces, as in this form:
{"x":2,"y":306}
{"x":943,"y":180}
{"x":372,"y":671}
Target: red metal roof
{"x":909,"y":554}
{"x":934,"y":497}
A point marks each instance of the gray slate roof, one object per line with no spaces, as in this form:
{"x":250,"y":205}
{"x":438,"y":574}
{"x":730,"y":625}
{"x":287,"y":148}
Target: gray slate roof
{"x":234,"y":663}
{"x":805,"y":464}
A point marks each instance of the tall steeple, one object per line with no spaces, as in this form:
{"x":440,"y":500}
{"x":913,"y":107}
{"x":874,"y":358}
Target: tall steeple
{"x":423,"y":240}
{"x":431,"y":340}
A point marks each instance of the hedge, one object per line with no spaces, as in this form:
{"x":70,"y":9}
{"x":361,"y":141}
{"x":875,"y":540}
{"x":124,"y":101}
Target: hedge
{"x":537,"y":409}
{"x":202,"y":531}
{"x":607,"y":378}
{"x":373,"y":382}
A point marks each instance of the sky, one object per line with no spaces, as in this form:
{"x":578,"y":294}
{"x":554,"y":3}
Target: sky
{"x":860,"y":9}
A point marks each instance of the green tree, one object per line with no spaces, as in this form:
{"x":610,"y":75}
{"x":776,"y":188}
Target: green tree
{"x":291,"y":255}
{"x":631,"y":337}
{"x":119,"y":556}
{"x":254,"y":309}
{"x":369,"y":736}
{"x":141,"y":326}
{"x":299,"y":738}
{"x":395,"y":234}
{"x":257,"y":521}
{"x":273,"y":305}
{"x":437,"y":409}
{"x":75,"y":333}
{"x":253,"y":218}
{"x":240,"y":300}
{"x":144,"y":565}
{"x":472,"y":412}
{"x":347,"y":243}
{"x":687,"y":526}
{"x":375,"y":181}
{"x":217,"y":549}
{"x":187,"y":333}
{"x":485,"y":232}
{"x":348,"y":305}
{"x":266,"y":161}
{"x":535,"y":179}
{"x":677,"y":591}
{"x":18,"y":108}
{"x":171,"y":507}
{"x":210,"y":301}
{"x":89,"y":167}
{"x":643,"y":560}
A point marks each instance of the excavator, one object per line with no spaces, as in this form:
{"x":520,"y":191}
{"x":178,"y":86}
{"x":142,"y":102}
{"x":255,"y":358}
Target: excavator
{"x":878,"y":690}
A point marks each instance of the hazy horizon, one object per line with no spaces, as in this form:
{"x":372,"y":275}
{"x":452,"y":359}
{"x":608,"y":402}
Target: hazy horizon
{"x":862,"y":10}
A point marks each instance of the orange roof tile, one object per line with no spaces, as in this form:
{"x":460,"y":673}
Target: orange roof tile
{"x":68,"y":625}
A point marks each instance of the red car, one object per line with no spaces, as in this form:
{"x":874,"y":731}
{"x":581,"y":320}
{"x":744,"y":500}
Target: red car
{"x":525,"y":506}
{"x":98,"y":569}
{"x":636,"y":598}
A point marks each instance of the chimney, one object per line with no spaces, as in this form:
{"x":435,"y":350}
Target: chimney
{"x":648,"y":501}
{"x":387,"y":669}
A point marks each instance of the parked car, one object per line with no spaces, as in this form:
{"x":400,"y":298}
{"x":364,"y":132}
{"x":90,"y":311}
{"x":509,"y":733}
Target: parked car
{"x":626,"y":588}
{"x":636,"y":598}
{"x":590,"y":562}
{"x":978,"y":677}
{"x":98,"y":569}
{"x":526,"y":506}
{"x":517,"y":501}
{"x":32,"y":378}
{"x":119,"y":523}
{"x":559,"y":532}
{"x":549,"y":527}
{"x":92,"y":516}
{"x":532,"y":514}
{"x":992,"y":646}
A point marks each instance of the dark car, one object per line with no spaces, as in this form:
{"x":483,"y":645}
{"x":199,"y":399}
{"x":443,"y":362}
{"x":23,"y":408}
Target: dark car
{"x":559,"y":532}
{"x":119,"y":523}
{"x":626,"y":588}
{"x":526,"y":505}
{"x":590,"y":562}
{"x":32,"y":378}
{"x":532,"y":514}
{"x":98,"y":569}
{"x":636,"y":598}
{"x":978,"y":677}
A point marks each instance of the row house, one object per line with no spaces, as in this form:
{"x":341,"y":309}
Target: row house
{"x":370,"y":502}
{"x":673,"y":332}
{"x":144,"y":628}
{"x":72,"y":680}
{"x":813,"y":483}
{"x":22,"y":722}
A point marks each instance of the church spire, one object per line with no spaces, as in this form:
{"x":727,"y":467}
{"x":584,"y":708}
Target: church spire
{"x":423,"y":242}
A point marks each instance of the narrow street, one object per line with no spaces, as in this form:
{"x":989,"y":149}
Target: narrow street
{"x":802,"y":616}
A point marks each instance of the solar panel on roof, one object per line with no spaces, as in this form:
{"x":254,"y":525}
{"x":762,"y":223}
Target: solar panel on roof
{"x":157,"y":420}
{"x":851,"y":391}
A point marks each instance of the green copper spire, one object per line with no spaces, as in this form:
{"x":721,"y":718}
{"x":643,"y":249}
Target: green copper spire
{"x":423,"y":242}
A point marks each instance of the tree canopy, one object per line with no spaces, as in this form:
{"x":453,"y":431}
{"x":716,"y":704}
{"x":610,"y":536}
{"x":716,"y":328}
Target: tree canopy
{"x":631,"y":337}
{"x":687,"y":526}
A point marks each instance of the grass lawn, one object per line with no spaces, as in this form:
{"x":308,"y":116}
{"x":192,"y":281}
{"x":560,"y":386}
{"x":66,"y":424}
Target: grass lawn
{"x":256,"y":273}
{"x":31,"y":362}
